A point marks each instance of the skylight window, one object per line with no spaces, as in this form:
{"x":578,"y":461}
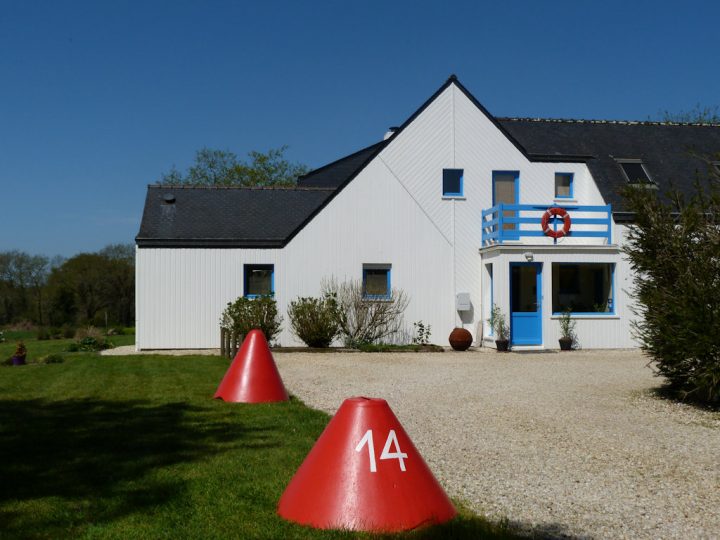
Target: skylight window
{"x":635,"y":171}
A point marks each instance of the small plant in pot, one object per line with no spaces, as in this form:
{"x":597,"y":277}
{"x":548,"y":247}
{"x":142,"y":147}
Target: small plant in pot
{"x":498,"y":322}
{"x":18,"y":358}
{"x":567,"y":330}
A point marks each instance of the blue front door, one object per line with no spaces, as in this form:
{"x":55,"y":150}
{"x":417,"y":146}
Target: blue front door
{"x":526,"y":303}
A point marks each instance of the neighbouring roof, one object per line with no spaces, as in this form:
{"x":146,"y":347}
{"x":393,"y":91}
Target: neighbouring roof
{"x":671,"y":153}
{"x":271,"y":217}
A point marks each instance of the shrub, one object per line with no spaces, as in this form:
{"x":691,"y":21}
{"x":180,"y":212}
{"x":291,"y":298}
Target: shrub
{"x":315,"y":320}
{"x":422,"y":333}
{"x":89,"y":344}
{"x":52,"y":359}
{"x":365,"y":320}
{"x":674,"y":250}
{"x":245,"y":314}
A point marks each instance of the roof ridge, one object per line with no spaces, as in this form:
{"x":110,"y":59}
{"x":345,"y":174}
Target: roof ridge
{"x":249,"y":188}
{"x":598,"y":121}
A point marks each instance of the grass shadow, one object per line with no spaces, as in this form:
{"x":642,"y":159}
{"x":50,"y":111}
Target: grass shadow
{"x":102,"y":457}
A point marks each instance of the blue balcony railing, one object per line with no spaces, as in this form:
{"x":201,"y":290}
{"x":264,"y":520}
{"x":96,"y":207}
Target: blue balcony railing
{"x":511,"y":222}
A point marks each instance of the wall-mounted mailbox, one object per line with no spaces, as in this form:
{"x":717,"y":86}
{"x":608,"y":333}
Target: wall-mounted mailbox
{"x":462,"y":301}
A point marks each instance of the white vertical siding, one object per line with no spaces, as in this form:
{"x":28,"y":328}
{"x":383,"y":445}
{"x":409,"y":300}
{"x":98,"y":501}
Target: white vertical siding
{"x":393,"y":212}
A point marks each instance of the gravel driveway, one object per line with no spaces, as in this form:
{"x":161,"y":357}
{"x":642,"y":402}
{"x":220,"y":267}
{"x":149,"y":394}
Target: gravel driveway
{"x":565,"y":444}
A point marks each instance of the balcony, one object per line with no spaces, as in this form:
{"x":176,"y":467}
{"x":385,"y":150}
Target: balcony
{"x":512,"y":222}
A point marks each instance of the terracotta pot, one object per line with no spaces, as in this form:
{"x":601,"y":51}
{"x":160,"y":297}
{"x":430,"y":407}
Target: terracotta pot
{"x":565,"y":343}
{"x":503,"y":345}
{"x":460,"y":339}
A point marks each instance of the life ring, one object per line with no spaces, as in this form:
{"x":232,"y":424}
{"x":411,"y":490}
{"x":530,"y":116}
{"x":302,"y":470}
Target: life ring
{"x":553,"y":213}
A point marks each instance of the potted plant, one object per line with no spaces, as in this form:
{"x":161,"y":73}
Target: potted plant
{"x":567,"y":330}
{"x":18,"y":358}
{"x":500,"y":328}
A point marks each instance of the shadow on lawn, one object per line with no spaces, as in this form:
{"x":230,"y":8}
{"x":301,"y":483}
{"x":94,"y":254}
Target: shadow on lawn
{"x":99,"y":455}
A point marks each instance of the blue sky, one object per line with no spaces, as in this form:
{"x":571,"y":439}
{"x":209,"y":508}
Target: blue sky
{"x":98,"y":99}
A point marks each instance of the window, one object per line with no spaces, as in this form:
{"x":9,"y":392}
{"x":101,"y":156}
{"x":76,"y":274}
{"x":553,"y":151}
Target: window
{"x":583,"y":287}
{"x":635,"y":171}
{"x":506,"y":190}
{"x":452,"y":182}
{"x":376,"y":281}
{"x":563,"y":185}
{"x":259,"y":280}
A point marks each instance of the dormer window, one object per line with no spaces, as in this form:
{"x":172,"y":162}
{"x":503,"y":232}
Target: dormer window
{"x":635,"y":172}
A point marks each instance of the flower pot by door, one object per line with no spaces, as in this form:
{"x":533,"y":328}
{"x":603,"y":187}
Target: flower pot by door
{"x":565,"y":344}
{"x":503,"y":345}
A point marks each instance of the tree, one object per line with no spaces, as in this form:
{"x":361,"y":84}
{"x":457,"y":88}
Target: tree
{"x":223,"y":168}
{"x":22,"y":276}
{"x":674,"y":249}
{"x":696,"y":115}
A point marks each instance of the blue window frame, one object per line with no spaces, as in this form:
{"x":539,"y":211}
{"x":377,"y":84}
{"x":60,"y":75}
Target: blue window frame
{"x":584,"y":288}
{"x":376,"y":281}
{"x":259,"y":280}
{"x":564,"y":185}
{"x":452,"y":182}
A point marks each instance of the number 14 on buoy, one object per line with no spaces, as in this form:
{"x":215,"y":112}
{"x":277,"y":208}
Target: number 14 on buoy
{"x":386,"y":453}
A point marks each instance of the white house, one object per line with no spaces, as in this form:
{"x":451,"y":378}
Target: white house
{"x":448,"y":206}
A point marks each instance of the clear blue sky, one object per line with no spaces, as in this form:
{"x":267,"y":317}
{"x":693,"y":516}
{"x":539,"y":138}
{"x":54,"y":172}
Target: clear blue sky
{"x":98,"y":99}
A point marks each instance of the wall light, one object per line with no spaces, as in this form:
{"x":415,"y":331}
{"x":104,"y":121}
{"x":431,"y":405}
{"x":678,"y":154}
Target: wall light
{"x":529,"y":257}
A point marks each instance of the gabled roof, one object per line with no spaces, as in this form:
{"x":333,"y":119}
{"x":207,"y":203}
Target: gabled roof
{"x":271,"y":217}
{"x":225,"y":217}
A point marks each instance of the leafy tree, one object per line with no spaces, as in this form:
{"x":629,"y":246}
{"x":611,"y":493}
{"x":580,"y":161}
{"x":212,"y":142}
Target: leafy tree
{"x":674,"y":249}
{"x":22,"y":277}
{"x":314,"y":320}
{"x":223,"y":168}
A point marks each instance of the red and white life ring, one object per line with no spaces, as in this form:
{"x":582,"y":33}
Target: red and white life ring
{"x":553,"y":213}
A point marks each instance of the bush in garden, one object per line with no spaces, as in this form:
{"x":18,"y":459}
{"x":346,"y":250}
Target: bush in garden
{"x":314,"y":320}
{"x":674,"y":249}
{"x":365,"y":320}
{"x":244,"y":314}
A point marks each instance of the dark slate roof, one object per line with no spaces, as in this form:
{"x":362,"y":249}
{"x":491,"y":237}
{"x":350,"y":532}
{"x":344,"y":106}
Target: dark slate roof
{"x":335,"y":174}
{"x":271,"y":217}
{"x":672,"y":153}
{"x":226,"y":216}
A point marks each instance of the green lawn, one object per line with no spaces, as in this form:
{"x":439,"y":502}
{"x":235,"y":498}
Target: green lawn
{"x":134,"y":447}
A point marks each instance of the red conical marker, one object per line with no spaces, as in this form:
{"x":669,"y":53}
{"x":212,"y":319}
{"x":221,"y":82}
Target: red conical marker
{"x":364,"y":474}
{"x":253,"y":376}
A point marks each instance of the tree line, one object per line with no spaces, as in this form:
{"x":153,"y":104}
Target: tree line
{"x":89,"y":288}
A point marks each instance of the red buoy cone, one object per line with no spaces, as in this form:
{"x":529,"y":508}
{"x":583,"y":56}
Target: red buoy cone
{"x":253,"y":376}
{"x":364,"y":474}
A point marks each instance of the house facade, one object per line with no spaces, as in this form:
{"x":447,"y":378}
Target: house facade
{"x":458,"y":208}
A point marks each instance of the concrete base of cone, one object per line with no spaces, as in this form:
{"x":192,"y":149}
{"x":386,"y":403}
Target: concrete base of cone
{"x":253,"y":376}
{"x":364,"y":474}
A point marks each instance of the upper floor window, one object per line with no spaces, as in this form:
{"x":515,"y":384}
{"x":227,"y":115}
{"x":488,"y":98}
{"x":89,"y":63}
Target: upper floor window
{"x":259,"y":280}
{"x":376,"y":281}
{"x":635,"y":172}
{"x":563,"y":185}
{"x":452,"y":182}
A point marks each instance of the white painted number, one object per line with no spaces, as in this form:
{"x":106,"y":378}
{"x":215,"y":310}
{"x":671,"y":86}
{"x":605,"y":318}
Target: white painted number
{"x":400,"y":456}
{"x":368,"y":438}
{"x":386,"y":454}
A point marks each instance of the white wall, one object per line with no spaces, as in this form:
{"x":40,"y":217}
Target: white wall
{"x":392,"y":212}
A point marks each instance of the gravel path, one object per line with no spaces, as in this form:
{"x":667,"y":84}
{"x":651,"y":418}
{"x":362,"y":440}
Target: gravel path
{"x":565,"y":444}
